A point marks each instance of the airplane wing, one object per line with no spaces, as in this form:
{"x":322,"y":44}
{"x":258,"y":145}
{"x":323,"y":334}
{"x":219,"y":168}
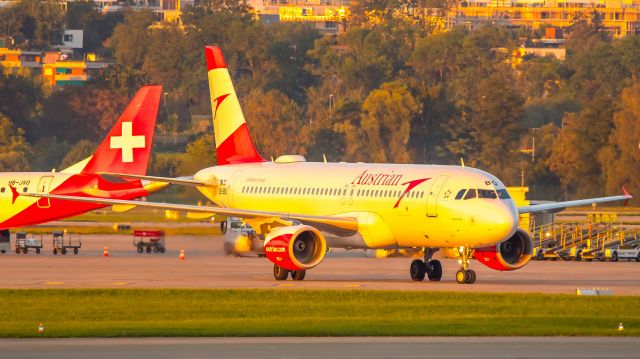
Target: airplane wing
{"x":185,"y":181}
{"x":259,"y":220}
{"x":559,"y":206}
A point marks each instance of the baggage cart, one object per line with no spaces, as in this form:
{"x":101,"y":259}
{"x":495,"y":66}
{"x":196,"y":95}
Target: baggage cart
{"x":25,"y":241}
{"x":148,"y":240}
{"x":63,"y":242}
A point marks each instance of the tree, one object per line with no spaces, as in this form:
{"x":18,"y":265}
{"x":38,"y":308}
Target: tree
{"x":78,"y":152}
{"x":386,"y":119}
{"x":130,"y":39}
{"x":14,"y":149}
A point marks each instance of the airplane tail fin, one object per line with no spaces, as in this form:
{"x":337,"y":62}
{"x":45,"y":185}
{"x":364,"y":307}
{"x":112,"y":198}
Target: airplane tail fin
{"x":127,"y":147}
{"x":233,"y":141}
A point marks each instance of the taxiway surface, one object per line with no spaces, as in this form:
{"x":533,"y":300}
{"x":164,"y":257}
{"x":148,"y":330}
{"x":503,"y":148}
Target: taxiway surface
{"x":207,"y":267}
{"x":308,"y":348}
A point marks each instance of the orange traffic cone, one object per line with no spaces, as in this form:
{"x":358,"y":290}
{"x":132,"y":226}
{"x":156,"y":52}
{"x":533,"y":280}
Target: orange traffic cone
{"x":181,"y":257}
{"x":41,"y":328}
{"x":106,"y":251}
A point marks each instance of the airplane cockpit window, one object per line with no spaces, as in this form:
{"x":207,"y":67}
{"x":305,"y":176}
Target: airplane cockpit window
{"x":461,"y":193}
{"x":503,"y":194}
{"x":487,"y":193}
{"x":470,"y":194}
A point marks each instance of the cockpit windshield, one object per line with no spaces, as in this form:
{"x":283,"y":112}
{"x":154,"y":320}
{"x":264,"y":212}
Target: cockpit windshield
{"x":482,"y":193}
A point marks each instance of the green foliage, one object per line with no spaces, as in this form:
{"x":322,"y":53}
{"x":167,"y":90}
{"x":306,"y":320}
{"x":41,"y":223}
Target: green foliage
{"x":14,"y":151}
{"x":78,"y":152}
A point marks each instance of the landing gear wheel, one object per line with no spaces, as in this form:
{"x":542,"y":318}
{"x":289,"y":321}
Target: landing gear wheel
{"x":280,"y":273}
{"x":461,"y":276}
{"x":471,"y":276}
{"x":298,"y":274}
{"x":435,"y":272}
{"x":417,"y":270}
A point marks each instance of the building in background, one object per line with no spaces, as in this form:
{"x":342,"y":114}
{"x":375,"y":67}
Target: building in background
{"x":328,"y":16}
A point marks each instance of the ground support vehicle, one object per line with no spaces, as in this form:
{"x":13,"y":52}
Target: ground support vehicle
{"x":5,"y":244}
{"x":623,"y":252}
{"x":149,"y":241}
{"x":24,"y":242}
{"x":240,"y":239}
{"x":65,"y":242}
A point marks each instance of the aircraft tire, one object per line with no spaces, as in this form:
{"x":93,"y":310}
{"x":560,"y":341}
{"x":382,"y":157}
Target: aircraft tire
{"x":298,"y":274}
{"x":471,"y":276}
{"x":435,"y":272}
{"x":461,"y":276}
{"x":417,"y":270}
{"x":280,"y":273}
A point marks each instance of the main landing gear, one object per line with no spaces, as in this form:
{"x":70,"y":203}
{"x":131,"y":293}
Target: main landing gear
{"x":465,"y":275}
{"x":431,"y":268}
{"x":280,"y":273}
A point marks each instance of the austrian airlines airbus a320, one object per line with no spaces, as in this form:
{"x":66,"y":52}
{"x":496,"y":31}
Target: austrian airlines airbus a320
{"x":302,"y":208}
{"x":125,"y":149}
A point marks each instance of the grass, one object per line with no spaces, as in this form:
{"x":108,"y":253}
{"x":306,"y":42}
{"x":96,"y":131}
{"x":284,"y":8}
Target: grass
{"x":252,"y":312}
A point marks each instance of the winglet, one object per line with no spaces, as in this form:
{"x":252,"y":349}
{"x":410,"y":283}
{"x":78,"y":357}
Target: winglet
{"x":626,"y":193}
{"x":14,"y":193}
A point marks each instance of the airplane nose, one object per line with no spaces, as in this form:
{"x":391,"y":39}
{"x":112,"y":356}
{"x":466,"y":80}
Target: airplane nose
{"x":502,"y":221}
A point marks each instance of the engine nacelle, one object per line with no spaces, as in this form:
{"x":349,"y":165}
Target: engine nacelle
{"x":295,"y":247}
{"x":511,"y":254}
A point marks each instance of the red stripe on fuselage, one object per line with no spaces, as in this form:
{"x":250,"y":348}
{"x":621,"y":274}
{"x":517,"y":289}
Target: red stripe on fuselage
{"x":238,"y":148}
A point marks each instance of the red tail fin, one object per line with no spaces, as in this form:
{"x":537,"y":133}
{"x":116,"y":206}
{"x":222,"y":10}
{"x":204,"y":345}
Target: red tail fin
{"x":233,"y":141}
{"x":127,"y":147}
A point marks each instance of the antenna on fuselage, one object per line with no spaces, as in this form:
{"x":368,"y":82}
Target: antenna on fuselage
{"x":462,"y":162}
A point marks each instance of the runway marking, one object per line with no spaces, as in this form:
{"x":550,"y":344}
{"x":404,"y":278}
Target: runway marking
{"x":120,"y":283}
{"x":353,"y":285}
{"x":284,"y":285}
{"x":53,"y":283}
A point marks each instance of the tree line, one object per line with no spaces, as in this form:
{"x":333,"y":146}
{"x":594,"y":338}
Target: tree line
{"x":391,"y":88}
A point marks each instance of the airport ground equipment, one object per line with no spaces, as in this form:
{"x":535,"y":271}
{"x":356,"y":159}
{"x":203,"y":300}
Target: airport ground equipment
{"x":241,"y":240}
{"x":5,"y":244}
{"x":149,"y":241}
{"x":62,"y":243}
{"x":24,"y":242}
{"x":631,"y":252}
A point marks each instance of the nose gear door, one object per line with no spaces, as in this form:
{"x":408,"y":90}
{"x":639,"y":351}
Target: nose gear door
{"x":433,"y":194}
{"x":43,"y":187}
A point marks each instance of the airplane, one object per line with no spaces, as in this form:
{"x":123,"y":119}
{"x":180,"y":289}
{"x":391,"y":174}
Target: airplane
{"x":302,"y":208}
{"x":125,"y":149}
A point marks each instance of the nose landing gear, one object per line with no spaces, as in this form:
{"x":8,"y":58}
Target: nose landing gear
{"x":465,"y":275}
{"x":431,"y":268}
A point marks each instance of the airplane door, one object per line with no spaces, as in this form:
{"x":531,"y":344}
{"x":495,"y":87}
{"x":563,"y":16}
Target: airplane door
{"x":43,"y":187}
{"x":433,"y":194}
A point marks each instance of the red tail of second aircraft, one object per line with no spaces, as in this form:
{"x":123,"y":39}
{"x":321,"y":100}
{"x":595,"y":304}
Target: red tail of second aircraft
{"x":127,"y":147}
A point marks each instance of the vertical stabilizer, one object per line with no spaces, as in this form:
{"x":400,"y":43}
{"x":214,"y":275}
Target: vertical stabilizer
{"x":127,"y":147}
{"x":233,"y":141}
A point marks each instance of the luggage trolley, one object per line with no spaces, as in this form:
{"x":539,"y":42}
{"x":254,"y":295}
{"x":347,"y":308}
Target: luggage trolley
{"x":149,"y":240}
{"x":23,"y":243}
{"x":63,"y":242}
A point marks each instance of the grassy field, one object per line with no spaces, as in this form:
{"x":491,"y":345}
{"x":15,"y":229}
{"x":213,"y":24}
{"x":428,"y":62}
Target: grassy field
{"x":123,"y":312}
{"x":169,"y":231}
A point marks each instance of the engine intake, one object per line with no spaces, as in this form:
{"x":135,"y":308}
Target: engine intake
{"x":295,"y":247}
{"x":511,"y":254}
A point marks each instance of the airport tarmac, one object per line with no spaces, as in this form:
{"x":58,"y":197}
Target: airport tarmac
{"x":308,"y":348}
{"x":207,"y":267}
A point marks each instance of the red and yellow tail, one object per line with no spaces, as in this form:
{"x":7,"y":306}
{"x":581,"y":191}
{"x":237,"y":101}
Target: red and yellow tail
{"x":127,"y":147}
{"x":233,"y":141}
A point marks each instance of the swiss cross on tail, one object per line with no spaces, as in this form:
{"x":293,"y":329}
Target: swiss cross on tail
{"x":127,"y":142}
{"x":127,"y":147}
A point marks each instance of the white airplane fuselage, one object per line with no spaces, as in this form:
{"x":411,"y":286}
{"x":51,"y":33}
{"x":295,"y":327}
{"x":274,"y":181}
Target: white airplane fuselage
{"x":396,"y":205}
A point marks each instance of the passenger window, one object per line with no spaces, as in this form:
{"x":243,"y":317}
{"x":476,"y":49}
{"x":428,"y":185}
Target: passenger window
{"x":25,"y":189}
{"x":2,"y":189}
{"x":470,"y":194}
{"x":487,"y":193}
{"x":461,"y":193}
